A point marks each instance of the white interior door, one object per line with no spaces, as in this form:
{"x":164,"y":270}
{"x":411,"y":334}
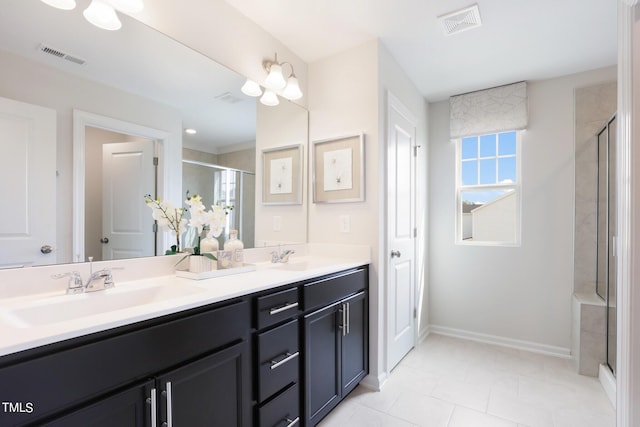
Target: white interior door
{"x":127,"y":175}
{"x":400,"y":233}
{"x":28,"y":156}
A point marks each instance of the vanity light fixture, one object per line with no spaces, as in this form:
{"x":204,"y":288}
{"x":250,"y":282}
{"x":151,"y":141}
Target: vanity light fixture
{"x":274,"y":83}
{"x":101,"y":13}
{"x":251,"y":88}
{"x":269,"y":98}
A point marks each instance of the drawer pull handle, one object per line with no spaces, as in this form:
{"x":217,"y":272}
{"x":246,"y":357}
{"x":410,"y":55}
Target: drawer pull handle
{"x":167,"y":393}
{"x":283,"y":308}
{"x":288,"y":357}
{"x":292,"y":422}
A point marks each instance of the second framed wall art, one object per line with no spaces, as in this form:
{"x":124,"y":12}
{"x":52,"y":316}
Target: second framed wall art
{"x":338,"y":169}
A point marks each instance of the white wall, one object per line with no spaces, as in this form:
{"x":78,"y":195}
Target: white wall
{"x":25,"y":81}
{"x":512,"y":293}
{"x":347,"y":94}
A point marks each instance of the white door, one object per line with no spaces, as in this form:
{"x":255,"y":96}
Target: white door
{"x":127,"y":175}
{"x":400,"y":232}
{"x":28,"y":157}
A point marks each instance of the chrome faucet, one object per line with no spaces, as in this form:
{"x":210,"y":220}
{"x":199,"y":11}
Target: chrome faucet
{"x":281,"y":256}
{"x":93,"y":283}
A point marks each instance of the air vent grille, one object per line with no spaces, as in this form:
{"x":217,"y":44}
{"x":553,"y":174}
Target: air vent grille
{"x":228,"y":97}
{"x":461,"y":20}
{"x":60,"y":54}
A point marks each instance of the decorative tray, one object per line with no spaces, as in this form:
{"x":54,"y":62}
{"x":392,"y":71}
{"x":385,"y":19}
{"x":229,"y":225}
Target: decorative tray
{"x":215,"y":273}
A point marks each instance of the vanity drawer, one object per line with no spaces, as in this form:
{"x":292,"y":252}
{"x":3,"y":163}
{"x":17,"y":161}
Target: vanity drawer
{"x":282,"y":411}
{"x":278,"y":359}
{"x":278,"y":306}
{"x":334,"y":288}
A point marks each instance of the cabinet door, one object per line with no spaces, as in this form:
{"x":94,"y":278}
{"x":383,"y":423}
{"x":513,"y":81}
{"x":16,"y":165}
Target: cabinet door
{"x":212,"y":391}
{"x":355,"y":360}
{"x":130,"y":408}
{"x":322,"y":363}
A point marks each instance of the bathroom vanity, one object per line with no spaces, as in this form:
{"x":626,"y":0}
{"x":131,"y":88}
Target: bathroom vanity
{"x":280,"y":346}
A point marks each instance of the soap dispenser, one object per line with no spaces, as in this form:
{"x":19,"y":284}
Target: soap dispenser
{"x":236,"y":247}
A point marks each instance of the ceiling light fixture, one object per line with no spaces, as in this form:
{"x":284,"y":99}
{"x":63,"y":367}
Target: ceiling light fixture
{"x":61,"y":4}
{"x":274,"y":83}
{"x":190,"y":131}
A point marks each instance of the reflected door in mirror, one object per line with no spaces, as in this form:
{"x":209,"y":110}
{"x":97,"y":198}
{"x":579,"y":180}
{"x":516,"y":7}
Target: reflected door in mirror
{"x":127,"y":175}
{"x":28,"y":159}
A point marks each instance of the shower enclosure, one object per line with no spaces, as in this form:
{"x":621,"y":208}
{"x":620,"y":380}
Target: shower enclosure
{"x":606,"y":230}
{"x":223,"y":186}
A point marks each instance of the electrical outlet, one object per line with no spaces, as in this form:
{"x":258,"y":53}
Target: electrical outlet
{"x":277,"y":223}
{"x":345,"y":223}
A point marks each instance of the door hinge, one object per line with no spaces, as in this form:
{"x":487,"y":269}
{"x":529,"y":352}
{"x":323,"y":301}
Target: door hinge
{"x":154,"y":227}
{"x":415,"y":313}
{"x":415,"y":232}
{"x":415,"y":150}
{"x":155,"y":161}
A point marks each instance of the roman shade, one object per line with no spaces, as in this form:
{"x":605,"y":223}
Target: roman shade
{"x":488,"y":111}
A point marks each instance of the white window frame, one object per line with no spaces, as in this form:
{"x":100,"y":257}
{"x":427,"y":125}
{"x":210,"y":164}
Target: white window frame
{"x":515,"y":186}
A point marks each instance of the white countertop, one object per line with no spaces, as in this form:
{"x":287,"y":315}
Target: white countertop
{"x":15,"y":337}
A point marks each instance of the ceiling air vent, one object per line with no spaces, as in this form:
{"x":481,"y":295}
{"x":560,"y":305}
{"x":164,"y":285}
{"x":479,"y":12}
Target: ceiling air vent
{"x":228,"y":97}
{"x":60,"y":54}
{"x":461,"y":20}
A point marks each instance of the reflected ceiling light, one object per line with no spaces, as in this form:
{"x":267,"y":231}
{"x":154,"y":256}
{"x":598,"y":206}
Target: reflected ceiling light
{"x":102,"y":15}
{"x":275,"y":83}
{"x":127,"y":6}
{"x":251,"y":88}
{"x":269,"y":98}
{"x":190,"y":131}
{"x":61,"y":4}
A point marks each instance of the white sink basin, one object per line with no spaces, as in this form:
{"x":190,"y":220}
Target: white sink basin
{"x":63,"y":308}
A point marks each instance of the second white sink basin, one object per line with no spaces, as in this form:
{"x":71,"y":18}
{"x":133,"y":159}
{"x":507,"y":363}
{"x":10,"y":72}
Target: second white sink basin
{"x":68,"y":307}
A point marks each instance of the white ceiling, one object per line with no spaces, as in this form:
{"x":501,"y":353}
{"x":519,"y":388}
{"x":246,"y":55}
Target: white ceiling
{"x":519,"y":39}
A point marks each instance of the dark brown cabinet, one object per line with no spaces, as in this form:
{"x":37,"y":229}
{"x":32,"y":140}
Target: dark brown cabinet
{"x":336,"y":344}
{"x":277,"y":358}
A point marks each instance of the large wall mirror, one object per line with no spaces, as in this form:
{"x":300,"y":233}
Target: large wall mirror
{"x":81,"y":110}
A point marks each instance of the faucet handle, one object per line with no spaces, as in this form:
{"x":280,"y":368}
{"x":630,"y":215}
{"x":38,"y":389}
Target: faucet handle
{"x":75,"y":281}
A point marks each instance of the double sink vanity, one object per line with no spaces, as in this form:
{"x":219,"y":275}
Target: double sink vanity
{"x":278,"y":346}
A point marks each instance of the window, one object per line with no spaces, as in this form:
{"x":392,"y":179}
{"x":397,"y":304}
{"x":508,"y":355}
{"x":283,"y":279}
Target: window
{"x":488,"y":189}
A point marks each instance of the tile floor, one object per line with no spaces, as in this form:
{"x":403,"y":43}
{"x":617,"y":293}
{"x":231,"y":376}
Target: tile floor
{"x":450,"y":382}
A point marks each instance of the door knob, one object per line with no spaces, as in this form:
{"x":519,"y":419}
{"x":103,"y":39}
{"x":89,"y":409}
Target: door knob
{"x":395,"y":254}
{"x":104,"y":240}
{"x":46,"y":249}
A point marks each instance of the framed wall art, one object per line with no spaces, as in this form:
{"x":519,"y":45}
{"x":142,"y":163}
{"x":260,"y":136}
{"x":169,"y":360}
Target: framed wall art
{"x":338,"y":169}
{"x":282,"y":175}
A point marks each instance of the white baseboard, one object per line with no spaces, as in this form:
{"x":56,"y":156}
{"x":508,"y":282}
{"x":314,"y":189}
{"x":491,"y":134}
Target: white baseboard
{"x":374,"y":383}
{"x":608,"y":383}
{"x":502,"y":341}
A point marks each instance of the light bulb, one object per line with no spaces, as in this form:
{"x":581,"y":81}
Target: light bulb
{"x":251,"y":88}
{"x":102,"y":15}
{"x":292,"y":91}
{"x":269,"y":98}
{"x":275,"y":80}
{"x":127,"y":6}
{"x":61,"y":4}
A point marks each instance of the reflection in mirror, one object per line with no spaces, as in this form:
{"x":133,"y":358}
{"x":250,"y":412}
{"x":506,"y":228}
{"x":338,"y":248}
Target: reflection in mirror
{"x":223,"y":186}
{"x":155,"y":83}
